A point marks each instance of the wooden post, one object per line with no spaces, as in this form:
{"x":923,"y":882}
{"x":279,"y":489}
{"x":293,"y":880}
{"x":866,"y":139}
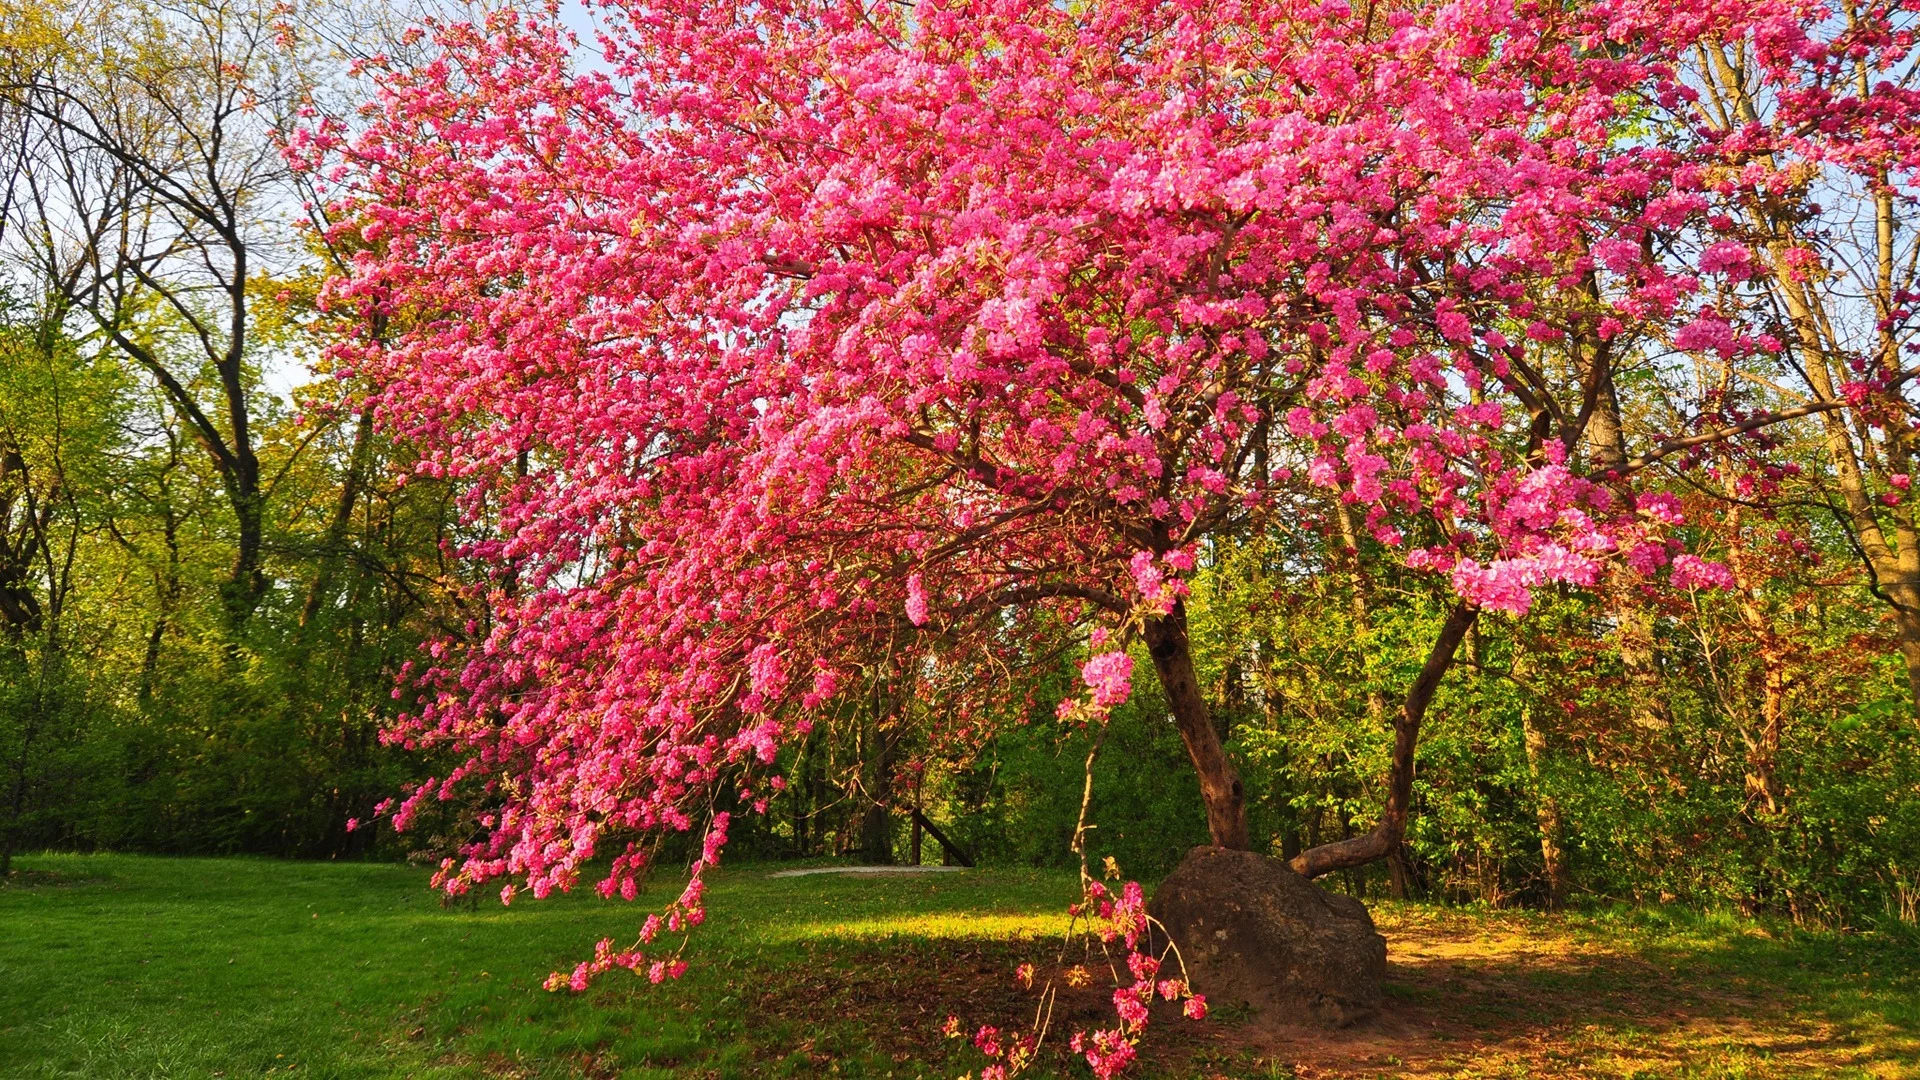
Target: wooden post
{"x":951,"y":849}
{"x":913,"y":846}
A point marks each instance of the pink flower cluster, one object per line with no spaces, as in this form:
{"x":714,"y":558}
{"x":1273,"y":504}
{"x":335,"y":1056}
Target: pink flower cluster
{"x":1110,"y":676}
{"x":1123,"y":920}
{"x":1109,"y":921}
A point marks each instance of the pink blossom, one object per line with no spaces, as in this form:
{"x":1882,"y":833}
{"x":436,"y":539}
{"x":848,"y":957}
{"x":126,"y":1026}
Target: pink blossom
{"x":1707,"y":334}
{"x":1728,"y":257}
{"x":916,"y":600}
{"x":1693,"y":572}
{"x":1110,"y":676}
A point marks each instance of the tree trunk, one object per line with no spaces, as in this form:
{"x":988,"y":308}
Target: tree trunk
{"x":1399,"y":874}
{"x":1892,"y":562}
{"x":1607,"y":457}
{"x":1763,"y":746}
{"x":1220,"y":787}
{"x":951,"y":854}
{"x":1546,"y":811}
{"x":1385,"y":837}
{"x":167,"y":590}
{"x":336,"y":540}
{"x":876,"y":826}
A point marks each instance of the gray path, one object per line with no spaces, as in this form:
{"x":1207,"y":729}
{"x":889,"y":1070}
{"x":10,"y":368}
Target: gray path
{"x":868,"y":870}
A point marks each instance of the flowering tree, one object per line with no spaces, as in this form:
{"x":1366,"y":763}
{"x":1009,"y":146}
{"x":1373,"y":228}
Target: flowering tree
{"x":807,"y":347}
{"x":1795,"y":221}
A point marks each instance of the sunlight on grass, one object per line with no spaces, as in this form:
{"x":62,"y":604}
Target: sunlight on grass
{"x":149,"y":967}
{"x":1009,"y":926}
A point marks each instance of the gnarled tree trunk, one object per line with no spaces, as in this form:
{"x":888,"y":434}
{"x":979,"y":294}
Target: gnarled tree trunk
{"x":1385,"y":837}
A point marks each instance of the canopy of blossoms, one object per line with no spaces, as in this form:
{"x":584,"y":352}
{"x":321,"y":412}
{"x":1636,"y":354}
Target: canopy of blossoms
{"x":802,"y":346}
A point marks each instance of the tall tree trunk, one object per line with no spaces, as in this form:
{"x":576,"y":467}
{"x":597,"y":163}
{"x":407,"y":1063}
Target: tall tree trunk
{"x":1220,"y":787}
{"x":1607,"y":455}
{"x":246,"y":583}
{"x":1891,"y":556}
{"x":1385,"y":837}
{"x":167,"y":589}
{"x":1763,"y":744}
{"x":876,"y":826}
{"x":336,"y":541}
{"x":1546,"y":810}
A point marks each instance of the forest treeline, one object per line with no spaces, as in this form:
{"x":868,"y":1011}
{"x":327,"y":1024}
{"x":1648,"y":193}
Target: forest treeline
{"x":214,"y":563}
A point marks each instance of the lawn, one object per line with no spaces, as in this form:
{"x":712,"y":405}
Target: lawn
{"x":124,"y":966}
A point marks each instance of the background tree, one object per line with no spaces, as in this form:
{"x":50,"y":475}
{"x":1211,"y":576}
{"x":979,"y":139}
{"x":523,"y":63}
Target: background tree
{"x":252,"y":572}
{"x":147,"y":170}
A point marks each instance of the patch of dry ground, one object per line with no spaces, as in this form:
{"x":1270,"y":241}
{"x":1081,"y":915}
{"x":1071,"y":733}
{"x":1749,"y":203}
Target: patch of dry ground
{"x":1469,"y":995}
{"x":1482,"y":995}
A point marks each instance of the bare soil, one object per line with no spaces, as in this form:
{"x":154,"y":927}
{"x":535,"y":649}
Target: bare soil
{"x":1481,"y":994}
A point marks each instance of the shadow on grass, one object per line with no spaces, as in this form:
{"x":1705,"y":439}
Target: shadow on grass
{"x":1518,"y":994}
{"x":229,"y":967}
{"x":22,"y":878}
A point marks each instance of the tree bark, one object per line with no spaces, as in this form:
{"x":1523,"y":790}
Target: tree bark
{"x":1546,"y":811}
{"x":1763,"y":745}
{"x":951,"y":854}
{"x":336,"y":542}
{"x":1607,"y":454}
{"x":1891,"y":556}
{"x":1399,"y":874}
{"x":1385,"y":837}
{"x":876,"y":826}
{"x":1220,"y":787}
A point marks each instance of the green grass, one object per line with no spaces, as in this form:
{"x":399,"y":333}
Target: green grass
{"x":150,"y":967}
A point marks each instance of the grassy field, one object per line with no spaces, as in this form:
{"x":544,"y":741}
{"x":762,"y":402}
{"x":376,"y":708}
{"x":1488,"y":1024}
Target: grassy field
{"x":118,"y":966}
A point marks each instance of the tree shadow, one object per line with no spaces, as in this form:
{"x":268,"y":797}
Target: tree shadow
{"x":1494,"y":994}
{"x":1468,"y":993}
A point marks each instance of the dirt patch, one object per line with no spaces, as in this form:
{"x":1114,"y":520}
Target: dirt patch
{"x":1469,"y":996}
{"x":867,"y":871}
{"x":1530,"y":998}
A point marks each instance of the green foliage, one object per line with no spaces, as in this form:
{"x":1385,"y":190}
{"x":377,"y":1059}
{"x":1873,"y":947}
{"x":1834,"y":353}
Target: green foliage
{"x":132,"y":715}
{"x":1146,"y":806}
{"x":1644,"y":782}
